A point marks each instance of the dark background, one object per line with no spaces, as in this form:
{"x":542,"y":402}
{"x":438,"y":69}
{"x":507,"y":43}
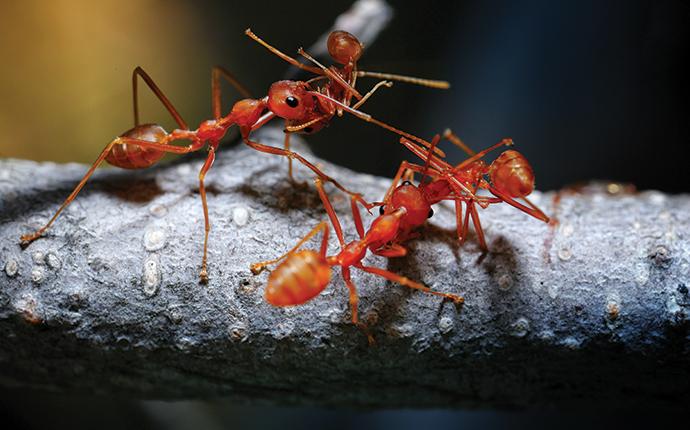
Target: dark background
{"x":587,"y":89}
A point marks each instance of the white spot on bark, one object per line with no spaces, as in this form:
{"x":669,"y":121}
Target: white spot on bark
{"x":154,"y":239}
{"x":520,"y":327}
{"x":152,"y":276}
{"x":240,"y":215}
{"x":158,"y":210}
{"x":38,"y":274}
{"x":53,"y":261}
{"x":11,"y":268}
{"x":445,"y":325}
{"x":38,"y":257}
{"x":565,"y":254}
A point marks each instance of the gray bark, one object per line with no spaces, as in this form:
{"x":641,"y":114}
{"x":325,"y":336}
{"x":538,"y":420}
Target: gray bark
{"x":592,"y":312}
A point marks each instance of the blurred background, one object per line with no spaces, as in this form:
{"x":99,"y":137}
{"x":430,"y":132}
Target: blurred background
{"x":587,"y":89}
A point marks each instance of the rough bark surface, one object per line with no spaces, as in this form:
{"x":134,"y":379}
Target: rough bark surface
{"x":591,"y":312}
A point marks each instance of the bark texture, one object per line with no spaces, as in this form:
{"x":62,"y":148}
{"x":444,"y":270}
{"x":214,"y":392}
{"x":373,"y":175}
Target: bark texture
{"x":591,"y":312}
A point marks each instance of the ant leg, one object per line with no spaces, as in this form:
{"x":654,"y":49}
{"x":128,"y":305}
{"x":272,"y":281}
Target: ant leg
{"x":472,"y":209}
{"x":431,"y":83}
{"x":138,"y":71}
{"x":332,"y":75}
{"x":404,"y":166}
{"x":28,"y":238}
{"x":216,"y":73}
{"x":543,"y":216}
{"x":459,"y":226}
{"x":480,"y":154}
{"x":357,"y":217}
{"x":354,"y":301}
{"x":455,"y":140}
{"x":330,"y":211}
{"x":283,"y":56}
{"x":203,"y":274}
{"x":290,"y":154}
{"x":408,"y":175}
{"x":402,"y":280}
{"x":257,"y":268}
{"x":371,"y":92}
{"x":392,"y":251}
{"x":286,"y":145}
{"x":368,"y":118}
{"x":533,"y":211}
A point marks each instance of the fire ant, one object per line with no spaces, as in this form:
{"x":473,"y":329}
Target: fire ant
{"x":294,"y":101}
{"x":508,"y":178}
{"x":303,"y":274}
{"x":335,"y":96}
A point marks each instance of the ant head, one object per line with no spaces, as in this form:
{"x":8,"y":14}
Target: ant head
{"x":414,"y":201}
{"x":289,"y":99}
{"x":512,"y":174}
{"x":344,"y":47}
{"x":298,"y":279}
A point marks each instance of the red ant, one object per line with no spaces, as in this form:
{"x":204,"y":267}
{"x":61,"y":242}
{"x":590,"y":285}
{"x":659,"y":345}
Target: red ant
{"x":508,"y":178}
{"x":336,"y":94}
{"x":294,"y":101}
{"x":303,"y":274}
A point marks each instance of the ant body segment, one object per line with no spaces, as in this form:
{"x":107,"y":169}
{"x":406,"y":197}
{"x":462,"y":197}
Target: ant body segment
{"x":509,"y":177}
{"x":303,"y":274}
{"x":296,"y":102}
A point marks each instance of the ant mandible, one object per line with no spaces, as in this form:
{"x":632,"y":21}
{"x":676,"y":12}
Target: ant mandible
{"x":303,"y":274}
{"x":295,"y":101}
{"x":509,"y":177}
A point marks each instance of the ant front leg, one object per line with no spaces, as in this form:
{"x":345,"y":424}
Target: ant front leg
{"x":371,"y":92}
{"x":291,"y":154}
{"x":402,"y":280}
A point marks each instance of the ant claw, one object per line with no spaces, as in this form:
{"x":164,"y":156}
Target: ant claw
{"x":26,"y":240}
{"x":203,"y":276}
{"x":257,"y":268}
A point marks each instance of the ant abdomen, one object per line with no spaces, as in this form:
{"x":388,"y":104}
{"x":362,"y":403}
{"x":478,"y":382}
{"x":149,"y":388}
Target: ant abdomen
{"x":133,"y":156}
{"x":298,"y":279}
{"x":512,"y":174}
{"x":344,"y":47}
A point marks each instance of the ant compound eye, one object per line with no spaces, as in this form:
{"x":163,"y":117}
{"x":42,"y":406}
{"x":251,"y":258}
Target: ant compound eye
{"x":431,"y":213}
{"x":407,"y":183}
{"x":289,"y":100}
{"x":382,"y":209}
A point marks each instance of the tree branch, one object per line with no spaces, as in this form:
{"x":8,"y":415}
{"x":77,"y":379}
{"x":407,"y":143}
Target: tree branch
{"x":593,"y":312}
